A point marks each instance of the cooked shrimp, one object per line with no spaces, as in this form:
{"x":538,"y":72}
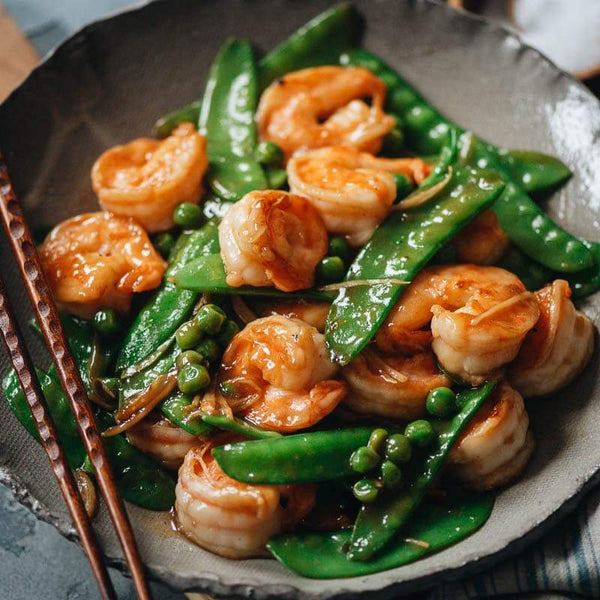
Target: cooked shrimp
{"x":163,"y":441}
{"x":272,"y":238}
{"x":480,"y":318}
{"x":281,"y":373}
{"x":230,"y":518}
{"x":146,"y":179}
{"x":497,"y":443}
{"x":394,"y":387}
{"x":324,"y":106}
{"x":310,"y":311}
{"x":353,"y":191}
{"x":98,"y":260}
{"x":481,"y":242}
{"x":557,"y":349}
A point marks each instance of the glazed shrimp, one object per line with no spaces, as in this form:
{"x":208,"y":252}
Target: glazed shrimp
{"x":481,"y":242}
{"x":323,"y":106}
{"x":230,"y":518}
{"x":353,"y":191}
{"x":99,"y":260}
{"x":146,"y":179}
{"x":281,"y":373}
{"x":496,"y":444}
{"x":480,"y":318}
{"x":272,"y":238}
{"x":557,"y":349}
{"x":164,"y":442}
{"x":394,"y":387}
{"x":312,"y":312}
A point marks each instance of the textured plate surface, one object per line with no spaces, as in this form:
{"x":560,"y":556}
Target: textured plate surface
{"x":109,"y":82}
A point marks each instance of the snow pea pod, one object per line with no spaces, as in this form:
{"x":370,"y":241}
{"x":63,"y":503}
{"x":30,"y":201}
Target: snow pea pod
{"x":320,"y":555}
{"x":207,"y":274}
{"x":379,"y":522}
{"x":425,"y":131}
{"x":170,"y":306}
{"x":139,"y":479}
{"x":584,"y":283}
{"x":58,"y":407}
{"x":174,"y":408}
{"x":534,"y":232}
{"x":398,"y":249}
{"x":299,"y":458}
{"x":186,"y":114}
{"x":227,"y":120}
{"x":533,"y":275}
{"x":320,"y":42}
{"x":533,"y":172}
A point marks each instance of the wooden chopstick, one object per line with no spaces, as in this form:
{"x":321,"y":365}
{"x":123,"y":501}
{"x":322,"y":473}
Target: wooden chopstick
{"x":21,"y":362}
{"x":29,"y":264}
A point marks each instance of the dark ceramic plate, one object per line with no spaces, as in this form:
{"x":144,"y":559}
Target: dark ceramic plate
{"x":108,"y":84}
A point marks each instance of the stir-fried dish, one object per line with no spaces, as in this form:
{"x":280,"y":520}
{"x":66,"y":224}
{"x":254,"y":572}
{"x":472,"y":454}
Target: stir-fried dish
{"x":311,"y":311}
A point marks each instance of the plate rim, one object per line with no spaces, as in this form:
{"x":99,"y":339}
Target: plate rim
{"x":214,"y":585}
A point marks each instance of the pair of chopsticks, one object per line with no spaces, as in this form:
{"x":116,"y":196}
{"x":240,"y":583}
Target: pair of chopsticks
{"x":25,"y":254}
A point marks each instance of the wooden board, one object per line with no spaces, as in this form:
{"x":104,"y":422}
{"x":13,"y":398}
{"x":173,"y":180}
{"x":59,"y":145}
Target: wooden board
{"x":17,"y":55}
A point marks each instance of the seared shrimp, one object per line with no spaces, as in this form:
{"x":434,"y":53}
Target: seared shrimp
{"x":310,"y":311}
{"x":98,"y":260}
{"x":230,"y":518}
{"x":324,"y":106}
{"x":480,"y":318}
{"x":272,"y":238}
{"x":557,"y":349}
{"x":394,"y":387}
{"x":164,"y":442}
{"x":353,"y":191}
{"x":281,"y":375}
{"x":481,"y":242}
{"x":147,"y":178}
{"x":497,"y":443}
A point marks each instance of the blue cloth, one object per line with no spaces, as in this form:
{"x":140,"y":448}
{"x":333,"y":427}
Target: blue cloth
{"x":566,"y":560}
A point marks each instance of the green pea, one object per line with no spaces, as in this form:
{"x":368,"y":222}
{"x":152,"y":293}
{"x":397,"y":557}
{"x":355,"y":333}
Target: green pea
{"x":393,"y":143}
{"x":189,"y":357}
{"x":364,"y":459}
{"x":441,"y":402}
{"x":107,"y":322}
{"x":269,"y":154}
{"x":398,"y":449}
{"x":209,"y":349}
{"x":338,"y":246}
{"x":420,"y":433}
{"x":331,"y":269}
{"x":377,"y":439}
{"x":391,"y":475}
{"x":188,"y":215}
{"x":277,"y":178}
{"x":229,"y":329}
{"x":365,"y":490}
{"x":210,"y":319}
{"x":188,"y":335}
{"x":193,"y":378}
{"x":164,"y":243}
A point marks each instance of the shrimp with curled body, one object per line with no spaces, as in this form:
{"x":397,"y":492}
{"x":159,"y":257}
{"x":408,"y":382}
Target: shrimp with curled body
{"x":281,"y":373}
{"x":496,"y":444}
{"x":312,"y":312}
{"x":557,"y":349}
{"x":164,"y":442}
{"x":324,"y":106}
{"x":353,"y":191}
{"x":481,"y":316}
{"x":482,"y":241}
{"x":231,"y":518}
{"x":146,"y":179}
{"x":99,"y":260}
{"x":272,"y":238}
